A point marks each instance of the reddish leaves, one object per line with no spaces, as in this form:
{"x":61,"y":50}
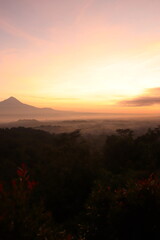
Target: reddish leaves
{"x":31,"y":184}
{"x":23,"y":174}
{"x":22,"y":171}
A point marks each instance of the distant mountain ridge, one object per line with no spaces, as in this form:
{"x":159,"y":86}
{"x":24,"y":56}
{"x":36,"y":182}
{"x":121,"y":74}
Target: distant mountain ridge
{"x":17,"y":105}
{"x":13,"y":109}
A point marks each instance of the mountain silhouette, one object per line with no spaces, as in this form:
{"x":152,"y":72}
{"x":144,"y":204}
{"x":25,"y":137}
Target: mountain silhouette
{"x":11,"y":100}
{"x":13,"y":109}
{"x":14,"y":105}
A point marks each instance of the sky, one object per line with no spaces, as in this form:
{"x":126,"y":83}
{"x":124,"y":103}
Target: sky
{"x":81,"y":55}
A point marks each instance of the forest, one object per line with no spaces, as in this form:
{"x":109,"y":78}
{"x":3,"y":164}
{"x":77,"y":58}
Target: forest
{"x":69,"y":187}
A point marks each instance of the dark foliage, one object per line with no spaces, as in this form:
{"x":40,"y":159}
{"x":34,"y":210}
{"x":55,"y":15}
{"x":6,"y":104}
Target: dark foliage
{"x":76,"y":190}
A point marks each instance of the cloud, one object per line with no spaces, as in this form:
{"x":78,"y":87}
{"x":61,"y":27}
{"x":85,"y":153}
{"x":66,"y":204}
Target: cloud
{"x":52,"y":98}
{"x":149,"y":98}
{"x":14,"y":31}
{"x":83,"y":10}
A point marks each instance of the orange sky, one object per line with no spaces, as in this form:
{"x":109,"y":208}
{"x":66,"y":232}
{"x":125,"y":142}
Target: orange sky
{"x":90,"y":55}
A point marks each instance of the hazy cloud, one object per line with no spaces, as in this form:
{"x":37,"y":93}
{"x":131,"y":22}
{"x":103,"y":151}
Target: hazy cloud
{"x":83,"y":9}
{"x":53,"y":98}
{"x":15,"y":31}
{"x":150,"y":97}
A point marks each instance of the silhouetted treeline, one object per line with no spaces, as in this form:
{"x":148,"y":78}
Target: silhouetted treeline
{"x":62,"y":186}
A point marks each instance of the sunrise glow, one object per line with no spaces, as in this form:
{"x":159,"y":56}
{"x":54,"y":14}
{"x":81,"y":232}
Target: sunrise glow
{"x":88,"y":55}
